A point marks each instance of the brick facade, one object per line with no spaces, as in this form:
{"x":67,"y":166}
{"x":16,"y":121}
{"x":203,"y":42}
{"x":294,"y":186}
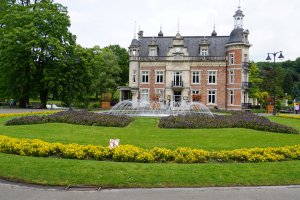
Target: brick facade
{"x":218,"y":60}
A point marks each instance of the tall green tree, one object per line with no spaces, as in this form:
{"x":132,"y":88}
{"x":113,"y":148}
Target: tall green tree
{"x":76,"y":77}
{"x":255,"y":80}
{"x":295,"y":91}
{"x":288,"y":83}
{"x":123,"y":62}
{"x":33,"y":39}
{"x":269,"y":76}
{"x":106,"y":70}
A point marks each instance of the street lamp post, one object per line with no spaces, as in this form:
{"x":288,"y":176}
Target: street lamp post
{"x":269,"y":59}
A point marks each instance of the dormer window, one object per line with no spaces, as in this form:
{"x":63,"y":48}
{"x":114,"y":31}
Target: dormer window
{"x":203,"y":47}
{"x":153,"y":48}
{"x":204,"y":52}
{"x":152,"y":52}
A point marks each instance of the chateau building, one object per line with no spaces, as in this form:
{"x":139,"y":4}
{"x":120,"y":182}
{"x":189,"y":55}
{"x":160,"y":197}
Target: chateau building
{"x":211,"y":69}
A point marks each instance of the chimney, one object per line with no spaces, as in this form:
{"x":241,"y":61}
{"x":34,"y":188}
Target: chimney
{"x":141,"y":34}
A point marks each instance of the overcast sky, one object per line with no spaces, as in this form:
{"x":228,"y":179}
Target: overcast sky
{"x":274,"y":25}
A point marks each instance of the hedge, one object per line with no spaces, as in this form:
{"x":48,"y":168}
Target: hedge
{"x":129,"y":153}
{"x":236,"y":120}
{"x":82,"y":117}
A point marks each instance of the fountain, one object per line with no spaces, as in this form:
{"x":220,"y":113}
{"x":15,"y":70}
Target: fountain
{"x":156,"y":108}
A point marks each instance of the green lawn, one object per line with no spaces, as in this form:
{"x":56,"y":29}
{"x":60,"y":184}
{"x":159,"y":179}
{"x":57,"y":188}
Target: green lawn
{"x":143,"y":132}
{"x":51,"y":171}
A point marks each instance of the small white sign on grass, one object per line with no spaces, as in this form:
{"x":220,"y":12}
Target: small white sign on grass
{"x":114,"y":143}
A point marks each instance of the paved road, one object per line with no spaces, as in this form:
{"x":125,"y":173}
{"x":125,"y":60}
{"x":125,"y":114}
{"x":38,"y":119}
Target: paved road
{"x":10,"y":191}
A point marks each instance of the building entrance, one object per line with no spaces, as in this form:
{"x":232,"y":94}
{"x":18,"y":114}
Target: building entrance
{"x":177,"y":98}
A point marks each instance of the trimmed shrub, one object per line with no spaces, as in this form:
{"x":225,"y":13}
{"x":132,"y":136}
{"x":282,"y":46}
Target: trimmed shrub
{"x":129,"y":153}
{"x":236,"y":120}
{"x":126,"y":153}
{"x":162,"y":154}
{"x":82,"y":117}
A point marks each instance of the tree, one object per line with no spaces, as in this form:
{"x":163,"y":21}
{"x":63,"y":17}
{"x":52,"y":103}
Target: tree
{"x":33,"y":41}
{"x":123,"y":62}
{"x":288,"y":83}
{"x":261,"y":97}
{"x":255,"y":79}
{"x":295,"y":91}
{"x":297,"y":65}
{"x":76,"y":77}
{"x":268,"y":76}
{"x":106,"y":70}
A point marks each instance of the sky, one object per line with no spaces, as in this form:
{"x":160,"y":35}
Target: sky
{"x":274,"y":25}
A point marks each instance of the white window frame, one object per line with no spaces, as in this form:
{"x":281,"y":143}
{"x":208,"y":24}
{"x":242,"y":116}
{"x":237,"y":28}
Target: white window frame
{"x":231,"y":59}
{"x":134,"y":52}
{"x":152,"y":52}
{"x":134,"y":76}
{"x":245,"y":57}
{"x":212,"y":93}
{"x":231,"y":76}
{"x":144,"y":92}
{"x":145,"y":74}
{"x":161,"y":93}
{"x":161,"y":75}
{"x":180,"y":77}
{"x":204,"y":51}
{"x":199,"y":77}
{"x":213,"y":73}
{"x":231,"y":97}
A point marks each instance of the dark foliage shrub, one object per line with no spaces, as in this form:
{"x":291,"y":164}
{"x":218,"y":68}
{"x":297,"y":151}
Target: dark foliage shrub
{"x":236,"y":120}
{"x":75,"y":117}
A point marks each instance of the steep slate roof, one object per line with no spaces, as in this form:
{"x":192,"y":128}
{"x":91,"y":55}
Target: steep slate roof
{"x":236,"y":35}
{"x":216,"y":45}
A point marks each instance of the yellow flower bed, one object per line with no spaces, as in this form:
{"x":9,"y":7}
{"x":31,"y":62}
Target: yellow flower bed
{"x":28,"y":114}
{"x":289,"y":116}
{"x":129,"y":153}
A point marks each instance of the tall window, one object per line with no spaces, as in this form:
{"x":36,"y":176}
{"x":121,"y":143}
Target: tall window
{"x":145,"y":77}
{"x":231,"y":97}
{"x":231,"y":76}
{"x":212,"y":77}
{"x":161,"y":94}
{"x":177,"y":79}
{"x":231,"y":59}
{"x":159,"y":77}
{"x":144,"y":95}
{"x":134,"y":76}
{"x":196,"y":77}
{"x":245,"y":57}
{"x":211,"y":97}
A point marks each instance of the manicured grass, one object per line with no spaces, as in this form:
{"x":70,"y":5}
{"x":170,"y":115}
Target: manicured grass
{"x":295,"y":123}
{"x":51,"y":171}
{"x":143,"y":132}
